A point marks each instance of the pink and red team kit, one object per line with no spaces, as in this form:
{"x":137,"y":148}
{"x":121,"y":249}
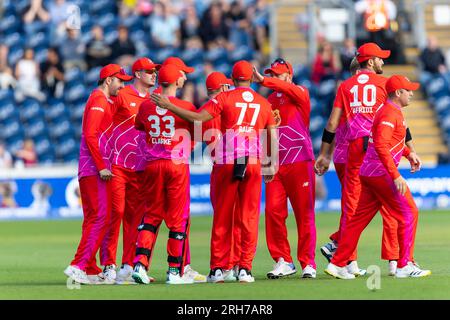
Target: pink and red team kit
{"x":136,"y":145}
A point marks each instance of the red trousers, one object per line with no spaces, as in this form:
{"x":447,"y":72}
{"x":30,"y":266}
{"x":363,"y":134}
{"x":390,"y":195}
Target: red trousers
{"x":375,"y":193}
{"x":96,"y":203}
{"x":165,"y":188}
{"x":389,"y":243}
{"x":235,"y":249}
{"x":126,"y":189}
{"x":296,"y":182}
{"x":236,"y":207}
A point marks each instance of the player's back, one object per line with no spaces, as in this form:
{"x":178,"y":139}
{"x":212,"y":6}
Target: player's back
{"x":167,"y":135}
{"x":360,"y":97}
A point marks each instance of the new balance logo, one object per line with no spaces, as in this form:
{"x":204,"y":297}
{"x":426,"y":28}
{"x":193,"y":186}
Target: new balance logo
{"x":179,"y":237}
{"x":306,"y":184}
{"x":133,"y":104}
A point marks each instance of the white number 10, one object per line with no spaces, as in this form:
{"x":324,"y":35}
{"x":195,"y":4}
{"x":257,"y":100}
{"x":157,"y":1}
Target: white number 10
{"x":369,"y":98}
{"x":244,"y":107}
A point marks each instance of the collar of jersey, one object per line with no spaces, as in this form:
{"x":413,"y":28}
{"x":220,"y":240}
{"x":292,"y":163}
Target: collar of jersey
{"x":394,"y":104}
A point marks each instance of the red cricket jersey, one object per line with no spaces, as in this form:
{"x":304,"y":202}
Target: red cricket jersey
{"x":124,"y":138}
{"x":243,"y":114}
{"x":94,"y":148}
{"x":295,"y":107}
{"x":386,"y":143}
{"x":360,"y":97}
{"x":167,"y":135}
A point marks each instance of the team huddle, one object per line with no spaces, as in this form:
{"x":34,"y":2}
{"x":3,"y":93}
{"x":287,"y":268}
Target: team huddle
{"x":134,"y":170}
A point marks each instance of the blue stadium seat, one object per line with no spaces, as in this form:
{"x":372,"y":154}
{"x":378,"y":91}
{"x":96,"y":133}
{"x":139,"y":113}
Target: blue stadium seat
{"x":107,"y":20}
{"x":217,"y":56}
{"x":6,"y":95}
{"x":437,"y":88}
{"x":14,"y":144}
{"x":317,"y":123}
{"x":111,"y":35}
{"x":46,"y":157}
{"x":14,"y":39}
{"x":100,"y":6}
{"x":55,"y":112}
{"x":15,"y":54}
{"x":11,"y":129}
{"x":38,"y":40}
{"x":73,"y":74}
{"x":20,"y":5}
{"x":72,"y":156}
{"x":8,"y":112}
{"x":442,"y":105}
{"x":134,"y":23}
{"x":76,"y":111}
{"x":162,"y":54}
{"x":197,"y":75}
{"x":75,"y":93}
{"x":192,"y":56}
{"x":241,"y":53}
{"x":92,"y":75}
{"x":65,"y":147}
{"x":10,"y":24}
{"x":225,"y":68}
{"x":35,"y":129}
{"x":43,"y":145}
{"x":30,"y":109}
{"x":60,"y":129}
{"x":37,"y":26}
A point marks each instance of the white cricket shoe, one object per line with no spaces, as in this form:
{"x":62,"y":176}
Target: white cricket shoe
{"x":125,"y":275}
{"x":216,"y":276}
{"x":338,"y":272}
{"x":328,"y":250}
{"x":392,"y":267}
{"x":96,"y":279}
{"x":245,"y":276}
{"x":175,"y":278}
{"x":109,"y":274}
{"x":77,"y":275}
{"x":231,"y":275}
{"x":139,"y":274}
{"x":192,"y":274}
{"x":281,"y":269}
{"x":353,"y":269}
{"x":309,"y":272}
{"x":411,"y":270}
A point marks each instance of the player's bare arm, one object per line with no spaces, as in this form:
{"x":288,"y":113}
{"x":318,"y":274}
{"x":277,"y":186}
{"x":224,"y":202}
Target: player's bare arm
{"x":164,"y":102}
{"x":326,"y":149}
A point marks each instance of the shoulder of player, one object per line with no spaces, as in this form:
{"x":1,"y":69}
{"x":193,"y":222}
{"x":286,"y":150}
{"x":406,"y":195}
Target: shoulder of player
{"x":183,"y":103}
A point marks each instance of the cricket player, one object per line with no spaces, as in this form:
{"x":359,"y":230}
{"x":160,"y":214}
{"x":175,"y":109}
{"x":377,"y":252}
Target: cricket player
{"x":389,"y":245}
{"x":295,"y":179}
{"x":382,"y":184}
{"x":217,"y":82}
{"x":358,"y":99}
{"x":125,"y":184}
{"x":94,"y":172}
{"x":243,"y":113}
{"x":165,"y":180}
{"x":185,"y":70}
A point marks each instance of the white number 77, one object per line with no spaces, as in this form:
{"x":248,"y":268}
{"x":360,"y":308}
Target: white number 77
{"x":244,"y":106}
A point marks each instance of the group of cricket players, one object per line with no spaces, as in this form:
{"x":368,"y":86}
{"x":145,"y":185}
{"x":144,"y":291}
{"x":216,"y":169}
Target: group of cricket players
{"x":136,"y":146}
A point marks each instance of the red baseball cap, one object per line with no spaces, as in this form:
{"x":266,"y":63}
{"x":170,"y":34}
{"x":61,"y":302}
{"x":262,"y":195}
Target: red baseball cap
{"x":217,"y":79}
{"x":280,"y":66}
{"x":369,"y":50}
{"x":114,"y":70}
{"x":168,"y":74}
{"x":397,"y":82}
{"x":144,"y":64}
{"x":242,"y":70}
{"x":179,"y":63}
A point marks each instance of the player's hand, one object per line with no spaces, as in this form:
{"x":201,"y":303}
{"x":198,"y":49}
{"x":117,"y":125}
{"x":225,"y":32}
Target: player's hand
{"x":415,"y":162}
{"x":160,"y":101}
{"x":105,"y":174}
{"x":401,"y":185}
{"x":322,"y":164}
{"x":257,"y":77}
{"x":276,"y":115}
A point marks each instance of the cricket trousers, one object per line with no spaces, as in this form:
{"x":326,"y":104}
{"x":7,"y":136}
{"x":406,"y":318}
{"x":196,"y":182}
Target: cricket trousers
{"x":96,"y":204}
{"x":375,"y":193}
{"x":126,"y":189}
{"x":296,"y":182}
{"x":389,"y":242}
{"x":165,"y":188}
{"x":236,"y":209}
{"x":235,"y":249}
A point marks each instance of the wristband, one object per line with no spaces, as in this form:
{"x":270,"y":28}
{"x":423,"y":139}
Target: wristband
{"x":408,"y":135}
{"x":328,"y":136}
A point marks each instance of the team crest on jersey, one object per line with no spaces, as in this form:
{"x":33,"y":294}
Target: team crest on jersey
{"x":133,"y":104}
{"x":161,"y":111}
{"x":363,"y":78}
{"x":279,"y":94}
{"x":247,"y":96}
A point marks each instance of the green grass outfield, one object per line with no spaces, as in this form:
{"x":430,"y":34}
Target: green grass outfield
{"x":33,"y":255}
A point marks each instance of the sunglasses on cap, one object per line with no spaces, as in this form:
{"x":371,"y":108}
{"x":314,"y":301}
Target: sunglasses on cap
{"x":152,"y":71}
{"x":279,"y":60}
{"x":121,"y":71}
